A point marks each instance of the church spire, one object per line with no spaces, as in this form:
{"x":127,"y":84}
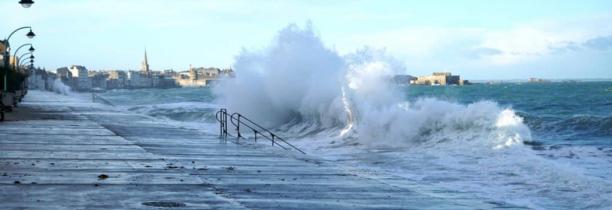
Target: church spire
{"x":146,"y":61}
{"x":145,"y":64}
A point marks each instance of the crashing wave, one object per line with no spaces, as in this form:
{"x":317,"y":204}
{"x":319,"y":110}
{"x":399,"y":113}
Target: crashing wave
{"x":307,"y":88}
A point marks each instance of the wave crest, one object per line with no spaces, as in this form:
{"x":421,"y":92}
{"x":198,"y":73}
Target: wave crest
{"x":301,"y":85}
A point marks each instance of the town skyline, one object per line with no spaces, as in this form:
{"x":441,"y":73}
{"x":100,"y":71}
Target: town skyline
{"x":143,"y":63}
{"x":506,"y":40}
{"x":80,"y":78}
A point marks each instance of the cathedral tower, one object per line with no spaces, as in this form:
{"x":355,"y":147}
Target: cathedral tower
{"x":145,"y":64}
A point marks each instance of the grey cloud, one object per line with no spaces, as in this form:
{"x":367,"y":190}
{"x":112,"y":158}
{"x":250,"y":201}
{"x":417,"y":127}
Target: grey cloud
{"x":482,"y":52}
{"x":599,"y":43}
{"x":564,"y":47}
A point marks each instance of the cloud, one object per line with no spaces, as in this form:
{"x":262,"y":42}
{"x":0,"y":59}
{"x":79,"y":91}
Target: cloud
{"x":501,"y":46}
{"x":564,"y":47}
{"x":599,"y":43}
{"x":482,"y":52}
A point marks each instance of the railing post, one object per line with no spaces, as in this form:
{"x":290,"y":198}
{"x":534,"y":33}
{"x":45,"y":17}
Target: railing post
{"x":219,"y":117}
{"x":222,"y":118}
{"x":238,"y":129}
{"x":254,"y":131}
{"x":272,"y":138}
{"x":225,"y":124}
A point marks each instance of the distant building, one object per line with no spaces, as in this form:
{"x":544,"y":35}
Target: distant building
{"x":439,"y":78}
{"x":142,"y":78}
{"x":537,"y":80}
{"x":37,"y":79}
{"x":155,"y":78}
{"x":99,"y":79}
{"x":117,"y":80}
{"x":200,"y":77}
{"x":137,"y":79}
{"x":403,"y":79}
{"x":169,"y":73}
{"x":81,"y":77}
{"x":63,"y":72}
{"x":41,"y":79}
{"x":65,"y":76}
{"x":50,"y":81}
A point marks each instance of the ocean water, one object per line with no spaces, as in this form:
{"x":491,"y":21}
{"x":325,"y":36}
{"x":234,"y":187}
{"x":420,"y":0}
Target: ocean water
{"x":540,"y":145}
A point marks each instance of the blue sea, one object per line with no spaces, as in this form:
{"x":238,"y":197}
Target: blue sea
{"x":538,"y":145}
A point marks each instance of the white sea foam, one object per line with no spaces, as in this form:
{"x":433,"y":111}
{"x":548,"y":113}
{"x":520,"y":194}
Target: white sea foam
{"x":181,"y":112}
{"x":299,"y":80}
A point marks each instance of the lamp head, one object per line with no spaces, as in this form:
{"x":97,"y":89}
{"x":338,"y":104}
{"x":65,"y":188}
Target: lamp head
{"x":26,"y":3}
{"x":30,"y":34}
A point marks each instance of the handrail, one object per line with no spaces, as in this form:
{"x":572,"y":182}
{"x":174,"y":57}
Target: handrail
{"x":236,"y":118}
{"x":95,"y":96}
{"x":254,"y":130}
{"x":221,"y":116}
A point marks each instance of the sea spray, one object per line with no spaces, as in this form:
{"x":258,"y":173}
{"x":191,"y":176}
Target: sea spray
{"x":296,"y":78}
{"x":60,"y":88}
{"x":300,"y":82}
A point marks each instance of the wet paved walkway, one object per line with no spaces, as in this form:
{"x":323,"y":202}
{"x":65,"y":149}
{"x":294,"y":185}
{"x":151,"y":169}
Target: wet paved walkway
{"x":59,"y":152}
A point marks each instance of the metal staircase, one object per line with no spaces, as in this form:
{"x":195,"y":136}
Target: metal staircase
{"x":241,"y":122}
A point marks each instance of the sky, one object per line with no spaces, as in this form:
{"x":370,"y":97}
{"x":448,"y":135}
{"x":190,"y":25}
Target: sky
{"x":477,"y":39}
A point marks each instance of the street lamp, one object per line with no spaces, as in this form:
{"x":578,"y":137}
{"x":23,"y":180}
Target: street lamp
{"x":29,"y":60}
{"x":23,"y":45}
{"x":7,"y":53}
{"x":19,"y":59}
{"x":27,"y":65}
{"x":29,"y":34}
{"x":26,"y":3}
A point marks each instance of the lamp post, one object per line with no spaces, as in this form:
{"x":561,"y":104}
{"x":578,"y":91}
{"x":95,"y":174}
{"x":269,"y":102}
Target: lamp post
{"x":26,"y":3}
{"x":6,"y":41}
{"x":24,"y":65}
{"x":29,"y":65}
{"x":7,"y":52}
{"x":18,"y":61}
{"x":23,"y":45}
{"x":29,"y":34}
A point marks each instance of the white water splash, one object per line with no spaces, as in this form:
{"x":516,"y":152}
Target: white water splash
{"x":297,"y":80}
{"x":61,"y":88}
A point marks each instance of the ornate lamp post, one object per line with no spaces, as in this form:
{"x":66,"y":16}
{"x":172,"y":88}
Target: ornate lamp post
{"x":30,"y":63}
{"x":19,"y":59}
{"x":7,"y":53}
{"x":6,"y":41}
{"x":4,"y":45}
{"x":15,"y":54}
{"x":26,"y":3}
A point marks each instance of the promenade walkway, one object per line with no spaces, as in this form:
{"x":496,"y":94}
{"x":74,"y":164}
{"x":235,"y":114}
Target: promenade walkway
{"x":62,"y":152}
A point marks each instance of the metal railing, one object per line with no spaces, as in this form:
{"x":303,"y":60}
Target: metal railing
{"x":238,"y":120}
{"x":95,"y":97}
{"x":222,"y":119}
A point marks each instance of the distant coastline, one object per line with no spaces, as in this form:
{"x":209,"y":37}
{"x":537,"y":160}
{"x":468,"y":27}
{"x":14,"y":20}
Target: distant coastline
{"x":477,"y":81}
